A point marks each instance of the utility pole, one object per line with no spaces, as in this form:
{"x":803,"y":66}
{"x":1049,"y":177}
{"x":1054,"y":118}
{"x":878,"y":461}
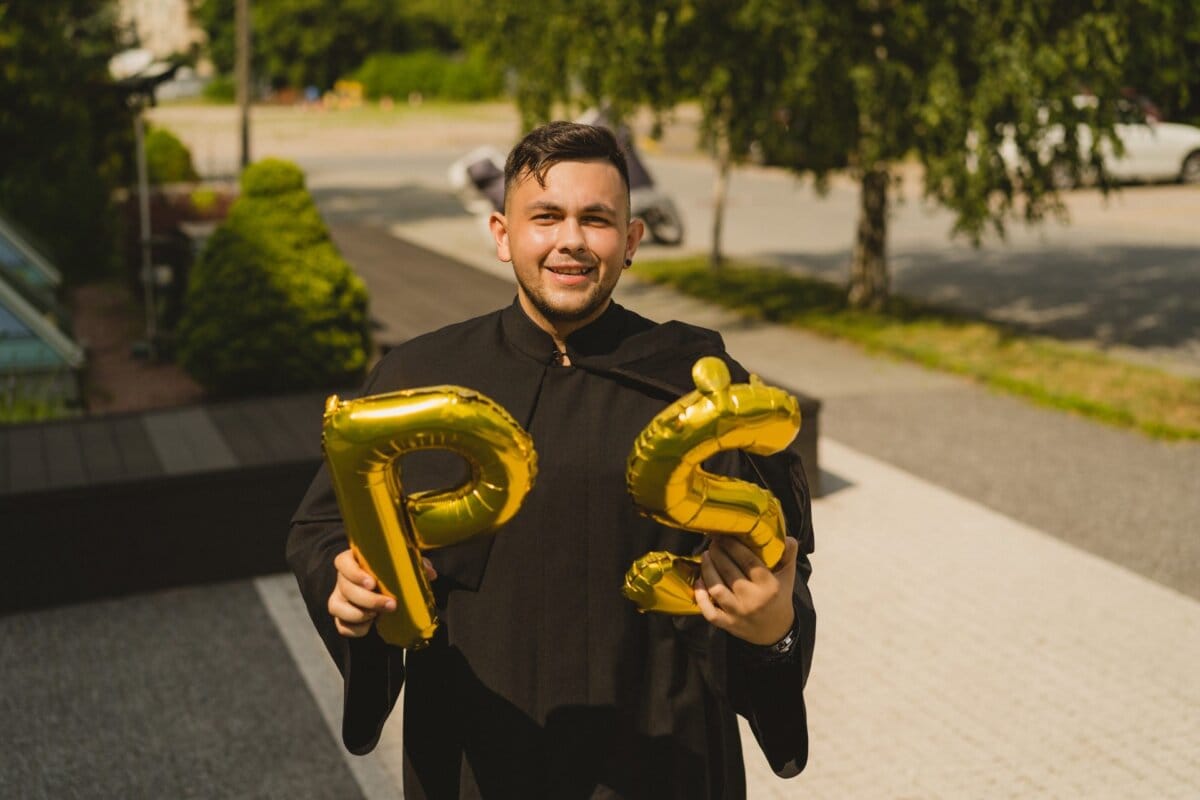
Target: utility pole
{"x":148,"y":276}
{"x":242,"y":68}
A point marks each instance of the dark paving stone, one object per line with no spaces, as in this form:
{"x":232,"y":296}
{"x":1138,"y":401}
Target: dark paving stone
{"x":414,"y":290}
{"x":26,"y":460}
{"x":181,"y":694}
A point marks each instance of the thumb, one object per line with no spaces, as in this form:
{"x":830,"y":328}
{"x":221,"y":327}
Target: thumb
{"x":791,"y":548}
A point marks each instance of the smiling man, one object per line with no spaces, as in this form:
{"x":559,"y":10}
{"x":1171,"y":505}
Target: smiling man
{"x":543,"y":680}
{"x":566,"y":229}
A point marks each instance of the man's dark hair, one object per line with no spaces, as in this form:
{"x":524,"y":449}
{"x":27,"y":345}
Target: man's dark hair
{"x":553,"y":142}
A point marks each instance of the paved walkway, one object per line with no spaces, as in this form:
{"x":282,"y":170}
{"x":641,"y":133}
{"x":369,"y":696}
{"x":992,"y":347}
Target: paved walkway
{"x":961,"y":652}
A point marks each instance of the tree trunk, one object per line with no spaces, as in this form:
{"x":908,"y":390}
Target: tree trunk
{"x":242,"y":70}
{"x":868,"y":270}
{"x":720,"y":192}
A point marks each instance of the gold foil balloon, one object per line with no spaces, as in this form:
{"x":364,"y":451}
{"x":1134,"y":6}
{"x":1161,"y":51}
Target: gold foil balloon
{"x":363,"y":441}
{"x":667,"y":483}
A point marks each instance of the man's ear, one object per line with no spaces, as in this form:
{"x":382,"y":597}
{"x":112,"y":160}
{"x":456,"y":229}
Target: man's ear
{"x":499,"y":227}
{"x":633,"y":237}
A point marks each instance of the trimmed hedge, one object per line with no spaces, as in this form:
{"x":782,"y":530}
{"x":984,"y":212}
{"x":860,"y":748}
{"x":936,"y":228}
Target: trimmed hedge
{"x":431,"y":74}
{"x":272,"y":176}
{"x":167,"y":158}
{"x":271,"y":306}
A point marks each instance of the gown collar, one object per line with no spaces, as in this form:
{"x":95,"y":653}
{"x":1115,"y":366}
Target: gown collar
{"x":599,"y":337}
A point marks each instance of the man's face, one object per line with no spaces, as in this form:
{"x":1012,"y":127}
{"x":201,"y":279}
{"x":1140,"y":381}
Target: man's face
{"x":567,"y":241}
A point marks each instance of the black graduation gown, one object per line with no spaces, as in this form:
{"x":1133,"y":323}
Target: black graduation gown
{"x":543,"y":680}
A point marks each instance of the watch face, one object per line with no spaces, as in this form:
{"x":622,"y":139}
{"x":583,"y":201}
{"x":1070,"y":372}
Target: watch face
{"x":784,"y":644}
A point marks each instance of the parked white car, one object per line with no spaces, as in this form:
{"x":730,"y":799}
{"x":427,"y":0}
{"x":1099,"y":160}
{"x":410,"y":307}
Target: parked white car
{"x":1154,"y":151}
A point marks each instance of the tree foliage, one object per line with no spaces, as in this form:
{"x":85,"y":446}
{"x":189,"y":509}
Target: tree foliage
{"x":864,"y":85}
{"x":431,"y":74}
{"x":315,"y":42}
{"x":66,"y":135}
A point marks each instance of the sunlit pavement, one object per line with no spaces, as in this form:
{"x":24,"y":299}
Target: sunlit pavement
{"x":959,"y":654}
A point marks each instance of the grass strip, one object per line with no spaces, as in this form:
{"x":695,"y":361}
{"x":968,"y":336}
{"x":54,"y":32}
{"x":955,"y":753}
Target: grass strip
{"x":1045,"y":370}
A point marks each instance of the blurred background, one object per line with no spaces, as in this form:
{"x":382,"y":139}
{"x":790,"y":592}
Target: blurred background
{"x":964,"y":231}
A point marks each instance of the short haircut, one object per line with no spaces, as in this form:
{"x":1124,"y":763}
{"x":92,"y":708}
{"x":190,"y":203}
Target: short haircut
{"x":545,"y":146}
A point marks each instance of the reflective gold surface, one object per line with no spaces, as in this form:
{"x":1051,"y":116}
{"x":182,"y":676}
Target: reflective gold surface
{"x":667,"y":483}
{"x":363,"y":440}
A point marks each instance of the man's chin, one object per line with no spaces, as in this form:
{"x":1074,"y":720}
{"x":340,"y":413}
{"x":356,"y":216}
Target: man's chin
{"x":570,"y":311}
{"x":560,"y":314}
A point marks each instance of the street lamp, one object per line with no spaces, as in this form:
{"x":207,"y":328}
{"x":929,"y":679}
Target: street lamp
{"x":137,"y":75}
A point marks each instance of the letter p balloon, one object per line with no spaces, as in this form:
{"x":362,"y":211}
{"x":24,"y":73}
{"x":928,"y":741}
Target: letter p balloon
{"x":388,"y":529}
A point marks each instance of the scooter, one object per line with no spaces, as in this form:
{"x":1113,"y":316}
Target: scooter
{"x":478,"y":179}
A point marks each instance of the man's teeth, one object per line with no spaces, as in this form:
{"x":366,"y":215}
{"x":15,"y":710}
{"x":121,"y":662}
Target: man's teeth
{"x":567,"y":271}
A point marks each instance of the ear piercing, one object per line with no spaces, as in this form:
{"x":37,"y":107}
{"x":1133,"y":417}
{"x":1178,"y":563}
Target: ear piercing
{"x":629,"y":262}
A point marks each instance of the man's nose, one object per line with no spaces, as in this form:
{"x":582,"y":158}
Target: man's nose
{"x":570,"y":235}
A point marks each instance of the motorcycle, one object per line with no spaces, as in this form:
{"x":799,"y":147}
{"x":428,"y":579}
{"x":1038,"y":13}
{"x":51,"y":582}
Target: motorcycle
{"x":478,"y":178}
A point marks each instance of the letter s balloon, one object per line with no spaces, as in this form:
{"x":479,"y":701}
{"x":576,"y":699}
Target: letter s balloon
{"x":363,"y":441}
{"x":667,"y":483}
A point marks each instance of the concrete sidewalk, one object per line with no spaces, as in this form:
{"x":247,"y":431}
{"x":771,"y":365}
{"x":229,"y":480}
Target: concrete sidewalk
{"x":959,"y":655}
{"x":962,"y":651}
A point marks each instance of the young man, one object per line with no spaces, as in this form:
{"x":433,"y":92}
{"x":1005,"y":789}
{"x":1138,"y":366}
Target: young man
{"x":543,"y":680}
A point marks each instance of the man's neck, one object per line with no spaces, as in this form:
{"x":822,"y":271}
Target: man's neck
{"x":561,"y":330}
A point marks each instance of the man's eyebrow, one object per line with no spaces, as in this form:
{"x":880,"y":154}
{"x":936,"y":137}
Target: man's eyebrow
{"x":546,"y":205}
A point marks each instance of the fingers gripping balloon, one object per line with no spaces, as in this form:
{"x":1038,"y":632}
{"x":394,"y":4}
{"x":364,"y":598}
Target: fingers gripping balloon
{"x":363,"y":441}
{"x":668,"y":484}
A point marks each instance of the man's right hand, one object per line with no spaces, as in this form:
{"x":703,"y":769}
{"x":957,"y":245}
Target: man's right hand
{"x":355,"y":601}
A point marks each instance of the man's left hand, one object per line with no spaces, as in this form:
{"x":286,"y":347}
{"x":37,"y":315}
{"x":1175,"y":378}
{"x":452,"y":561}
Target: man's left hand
{"x":738,"y":593}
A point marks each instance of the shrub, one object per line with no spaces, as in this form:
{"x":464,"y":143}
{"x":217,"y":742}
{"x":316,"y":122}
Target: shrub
{"x":271,"y":306}
{"x":167,"y":158}
{"x":204,"y":201}
{"x":430,"y":73}
{"x":272,"y":176}
{"x":221,"y":89}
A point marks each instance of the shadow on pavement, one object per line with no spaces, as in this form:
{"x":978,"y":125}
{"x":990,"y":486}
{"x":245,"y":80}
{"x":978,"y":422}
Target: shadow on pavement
{"x":832,"y":483}
{"x":1137,"y":296}
{"x":410,"y":202}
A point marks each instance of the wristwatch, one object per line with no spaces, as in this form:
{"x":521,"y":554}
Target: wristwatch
{"x":782,"y":649}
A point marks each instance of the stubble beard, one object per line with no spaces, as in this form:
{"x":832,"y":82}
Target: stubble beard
{"x":551,"y":313}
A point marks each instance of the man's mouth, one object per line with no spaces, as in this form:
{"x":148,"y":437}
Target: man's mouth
{"x":570,"y":270}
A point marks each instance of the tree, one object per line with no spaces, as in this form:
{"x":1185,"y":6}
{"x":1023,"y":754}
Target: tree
{"x":729,"y":57}
{"x":315,"y":42}
{"x":954,"y":84}
{"x":66,"y":135}
{"x":863,"y":86}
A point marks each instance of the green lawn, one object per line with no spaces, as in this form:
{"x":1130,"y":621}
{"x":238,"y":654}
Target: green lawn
{"x":1045,"y":370}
